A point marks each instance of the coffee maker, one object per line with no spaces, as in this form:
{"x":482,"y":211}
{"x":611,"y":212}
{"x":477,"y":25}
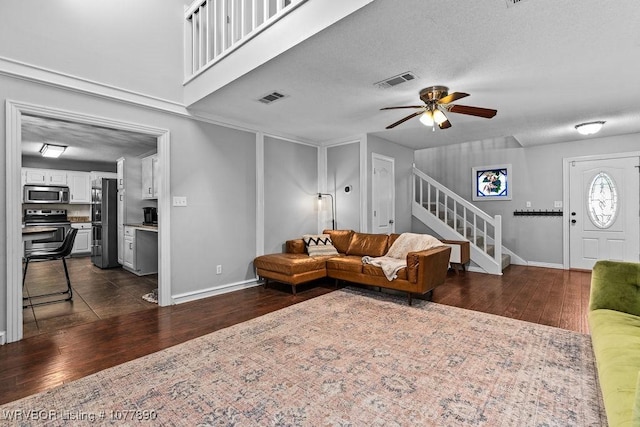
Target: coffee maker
{"x":150,"y":216}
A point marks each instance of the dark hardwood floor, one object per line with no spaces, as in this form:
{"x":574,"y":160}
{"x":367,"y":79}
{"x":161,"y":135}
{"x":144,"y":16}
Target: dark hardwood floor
{"x":550,"y":297}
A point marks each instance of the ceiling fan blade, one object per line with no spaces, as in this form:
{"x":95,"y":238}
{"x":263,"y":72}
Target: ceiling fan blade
{"x":410,"y":116}
{"x":452,"y":97}
{"x":487,"y":113}
{"x":445,"y":125}
{"x":404,"y":106}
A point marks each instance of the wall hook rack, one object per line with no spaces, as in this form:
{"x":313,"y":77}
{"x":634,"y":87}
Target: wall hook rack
{"x":538,"y":213}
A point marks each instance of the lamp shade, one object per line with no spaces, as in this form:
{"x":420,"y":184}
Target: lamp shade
{"x":439,"y":117}
{"x":427,"y":118}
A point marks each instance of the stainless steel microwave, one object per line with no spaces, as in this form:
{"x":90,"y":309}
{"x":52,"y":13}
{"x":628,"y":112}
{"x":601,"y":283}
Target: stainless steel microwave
{"x":46,"y":194}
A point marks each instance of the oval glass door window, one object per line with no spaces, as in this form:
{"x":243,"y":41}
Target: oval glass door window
{"x":602,"y":201}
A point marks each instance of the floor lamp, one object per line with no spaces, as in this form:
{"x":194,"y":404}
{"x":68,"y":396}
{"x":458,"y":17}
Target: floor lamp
{"x":333,"y":210}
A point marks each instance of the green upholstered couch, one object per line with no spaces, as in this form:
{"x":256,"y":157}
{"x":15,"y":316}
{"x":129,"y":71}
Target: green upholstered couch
{"x":614,"y":322}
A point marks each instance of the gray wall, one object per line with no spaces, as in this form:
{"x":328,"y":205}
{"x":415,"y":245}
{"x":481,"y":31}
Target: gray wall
{"x":215,"y":167}
{"x":136,"y":45}
{"x":403,"y":171}
{"x":290,"y":192}
{"x":537,"y":174}
{"x":343,"y":169}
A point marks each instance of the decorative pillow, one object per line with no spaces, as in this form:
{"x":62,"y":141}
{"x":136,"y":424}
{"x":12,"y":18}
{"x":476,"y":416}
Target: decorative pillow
{"x":319,"y":244}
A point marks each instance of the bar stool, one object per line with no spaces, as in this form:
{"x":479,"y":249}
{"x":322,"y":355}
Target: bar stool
{"x":60,"y":252}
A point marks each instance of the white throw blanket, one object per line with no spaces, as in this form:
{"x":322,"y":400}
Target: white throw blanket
{"x":396,"y":256}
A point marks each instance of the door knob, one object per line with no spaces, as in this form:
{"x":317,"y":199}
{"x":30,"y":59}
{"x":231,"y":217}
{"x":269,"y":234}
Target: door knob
{"x":573,"y":214}
{"x":391,"y":221}
{"x":573,"y":221}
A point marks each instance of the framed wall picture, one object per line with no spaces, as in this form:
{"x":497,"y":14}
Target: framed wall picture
{"x":492,"y":182}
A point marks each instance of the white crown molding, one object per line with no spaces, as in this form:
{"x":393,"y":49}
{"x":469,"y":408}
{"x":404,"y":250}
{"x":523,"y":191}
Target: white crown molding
{"x":22,"y":70}
{"x":36,"y":74}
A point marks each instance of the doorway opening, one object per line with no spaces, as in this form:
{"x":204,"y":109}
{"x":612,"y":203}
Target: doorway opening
{"x":16,"y":113}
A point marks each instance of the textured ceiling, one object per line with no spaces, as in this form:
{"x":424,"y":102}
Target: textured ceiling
{"x":84,"y":142}
{"x":545,"y":65}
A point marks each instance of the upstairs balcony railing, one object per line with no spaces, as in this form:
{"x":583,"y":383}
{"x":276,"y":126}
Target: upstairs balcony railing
{"x":215,"y":28}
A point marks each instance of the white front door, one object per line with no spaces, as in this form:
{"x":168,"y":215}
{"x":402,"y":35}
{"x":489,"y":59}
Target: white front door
{"x":604,"y":209}
{"x":383,"y":192}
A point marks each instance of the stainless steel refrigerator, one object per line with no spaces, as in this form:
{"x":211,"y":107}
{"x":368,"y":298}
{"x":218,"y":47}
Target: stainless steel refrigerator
{"x":104,"y":223}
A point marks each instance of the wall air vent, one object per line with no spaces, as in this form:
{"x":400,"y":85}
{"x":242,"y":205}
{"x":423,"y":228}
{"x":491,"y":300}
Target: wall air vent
{"x":396,"y":80}
{"x":511,"y":3}
{"x":271,"y":97}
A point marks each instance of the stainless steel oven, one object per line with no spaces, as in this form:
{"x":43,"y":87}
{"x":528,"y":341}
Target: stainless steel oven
{"x":46,"y":194}
{"x":56,"y":218}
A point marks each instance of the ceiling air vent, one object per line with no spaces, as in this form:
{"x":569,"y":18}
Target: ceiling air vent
{"x":396,"y":80}
{"x":511,"y":3}
{"x":271,"y":97}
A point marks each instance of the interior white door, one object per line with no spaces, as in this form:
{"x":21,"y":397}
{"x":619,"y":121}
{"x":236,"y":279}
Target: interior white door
{"x":383,"y":194}
{"x":604,"y":211}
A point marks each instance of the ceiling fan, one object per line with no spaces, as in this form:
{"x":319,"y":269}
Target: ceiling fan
{"x":437,"y":100}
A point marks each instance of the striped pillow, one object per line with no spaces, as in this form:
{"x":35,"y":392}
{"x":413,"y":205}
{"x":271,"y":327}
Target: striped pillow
{"x":319,"y":245}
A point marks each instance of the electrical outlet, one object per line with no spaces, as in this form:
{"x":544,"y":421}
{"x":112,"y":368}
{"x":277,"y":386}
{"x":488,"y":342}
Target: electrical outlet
{"x":557,"y":204}
{"x":179,"y":201}
{"x":218,"y":269}
{"x":528,"y":204}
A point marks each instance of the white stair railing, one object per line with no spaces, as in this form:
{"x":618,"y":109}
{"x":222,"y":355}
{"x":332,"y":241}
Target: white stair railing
{"x":453,"y":217}
{"x":215,"y":28}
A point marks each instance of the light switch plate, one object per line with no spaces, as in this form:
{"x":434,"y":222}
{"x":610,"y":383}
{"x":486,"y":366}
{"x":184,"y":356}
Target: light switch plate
{"x":557,"y":204}
{"x":179,"y":201}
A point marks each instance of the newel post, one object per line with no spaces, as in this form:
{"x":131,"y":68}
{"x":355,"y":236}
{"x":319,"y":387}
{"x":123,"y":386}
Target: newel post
{"x":497,"y":238}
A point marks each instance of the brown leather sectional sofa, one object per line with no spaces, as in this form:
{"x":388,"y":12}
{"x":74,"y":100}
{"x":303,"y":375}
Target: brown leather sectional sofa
{"x":425,"y":269}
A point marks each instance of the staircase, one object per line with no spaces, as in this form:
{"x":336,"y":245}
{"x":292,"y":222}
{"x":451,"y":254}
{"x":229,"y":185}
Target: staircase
{"x":454,"y":218}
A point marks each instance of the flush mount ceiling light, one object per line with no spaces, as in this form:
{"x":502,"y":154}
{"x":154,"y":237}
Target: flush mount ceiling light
{"x":50,"y":150}
{"x":589,"y":128}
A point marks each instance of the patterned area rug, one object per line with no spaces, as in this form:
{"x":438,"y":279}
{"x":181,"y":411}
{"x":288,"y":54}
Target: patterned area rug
{"x":347,"y":358}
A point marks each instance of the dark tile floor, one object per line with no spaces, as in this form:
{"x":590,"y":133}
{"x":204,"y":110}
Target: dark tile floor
{"x":97,"y":294}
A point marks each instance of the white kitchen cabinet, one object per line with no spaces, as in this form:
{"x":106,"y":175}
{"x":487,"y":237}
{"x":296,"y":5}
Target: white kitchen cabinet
{"x":129,"y":254}
{"x":150,"y":177}
{"x":82,"y":243}
{"x":141,"y":250}
{"x":45,"y":176}
{"x":120,"y":173}
{"x":120,"y":222}
{"x":79,"y":187}
{"x":121,"y":209}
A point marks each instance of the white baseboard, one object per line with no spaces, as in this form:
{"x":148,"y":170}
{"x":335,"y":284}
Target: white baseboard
{"x":3,"y":340}
{"x":218,"y":290}
{"x":545,"y":265}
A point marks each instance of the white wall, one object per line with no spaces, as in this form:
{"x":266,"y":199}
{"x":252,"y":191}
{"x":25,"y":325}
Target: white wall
{"x":135,"y":45}
{"x":537,"y":174}
{"x":343,"y":169}
{"x":290,"y":192}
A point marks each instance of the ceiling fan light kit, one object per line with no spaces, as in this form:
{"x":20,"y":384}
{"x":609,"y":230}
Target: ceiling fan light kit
{"x":436,"y":99}
{"x":589,"y":128}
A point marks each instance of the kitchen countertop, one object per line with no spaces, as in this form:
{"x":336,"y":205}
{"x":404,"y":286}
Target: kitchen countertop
{"x":143,"y":227}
